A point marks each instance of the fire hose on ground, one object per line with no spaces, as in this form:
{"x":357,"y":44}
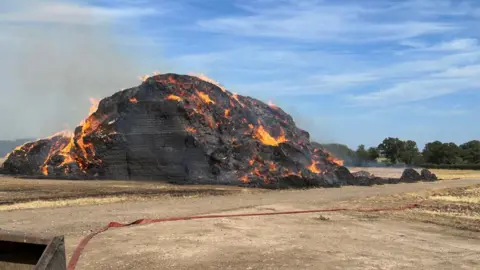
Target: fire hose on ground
{"x":81,"y":246}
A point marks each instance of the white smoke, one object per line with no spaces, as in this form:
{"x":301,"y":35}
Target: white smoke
{"x":55,"y":55}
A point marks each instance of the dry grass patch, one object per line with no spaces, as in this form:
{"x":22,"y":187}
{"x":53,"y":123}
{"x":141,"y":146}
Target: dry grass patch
{"x":24,"y":193}
{"x":35,"y":204}
{"x":453,"y":207}
{"x":67,"y":202}
{"x":468,"y":195}
{"x":458,"y":199}
{"x":473,"y":216}
{"x":444,"y":174}
{"x":64,"y":202}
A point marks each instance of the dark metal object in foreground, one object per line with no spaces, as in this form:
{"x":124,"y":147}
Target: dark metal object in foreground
{"x":27,"y":251}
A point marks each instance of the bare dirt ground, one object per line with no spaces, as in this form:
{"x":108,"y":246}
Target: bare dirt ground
{"x":414,"y":239}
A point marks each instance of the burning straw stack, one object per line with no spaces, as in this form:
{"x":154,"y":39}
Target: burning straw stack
{"x":185,"y":130}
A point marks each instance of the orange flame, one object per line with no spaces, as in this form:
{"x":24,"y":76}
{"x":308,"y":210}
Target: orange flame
{"x":94,"y":105}
{"x":65,"y":152}
{"x":205,"y":97}
{"x":235,"y":96}
{"x":133,"y":100}
{"x":282,"y":138}
{"x":287,"y":173}
{"x":272,"y":166}
{"x":313,"y":168}
{"x":266,"y":138}
{"x":335,"y":160}
{"x":89,"y":125}
{"x":203,"y":77}
{"x":54,"y":149}
{"x":210,"y":120}
{"x":174,"y":97}
{"x":144,"y":78}
{"x":270,"y":103}
{"x":227,"y":113}
{"x":171,"y":79}
{"x":244,"y":179}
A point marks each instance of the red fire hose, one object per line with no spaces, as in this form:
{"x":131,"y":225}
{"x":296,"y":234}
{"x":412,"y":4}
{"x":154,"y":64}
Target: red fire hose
{"x":81,"y":246}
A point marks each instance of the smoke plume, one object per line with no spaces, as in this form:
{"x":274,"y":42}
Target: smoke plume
{"x":55,"y":56}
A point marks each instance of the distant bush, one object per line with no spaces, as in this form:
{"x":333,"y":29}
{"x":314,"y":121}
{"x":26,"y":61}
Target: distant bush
{"x":7,"y":146}
{"x":452,"y":166}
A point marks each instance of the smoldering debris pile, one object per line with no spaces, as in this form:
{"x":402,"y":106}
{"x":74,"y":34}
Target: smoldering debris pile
{"x":185,"y":130}
{"x":411,"y":174}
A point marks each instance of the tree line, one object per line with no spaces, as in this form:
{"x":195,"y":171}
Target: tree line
{"x":7,"y":146}
{"x":396,"y":151}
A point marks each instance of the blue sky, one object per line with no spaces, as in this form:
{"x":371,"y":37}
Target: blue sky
{"x":352,"y":72}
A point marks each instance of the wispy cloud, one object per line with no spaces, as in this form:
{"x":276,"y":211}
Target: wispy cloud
{"x":418,"y":80}
{"x":418,"y":54}
{"x":416,"y":111}
{"x":461,"y":44}
{"x":413,"y":77}
{"x":318,"y":21}
{"x":72,"y":13}
{"x":415,"y":90}
{"x":471,"y":71}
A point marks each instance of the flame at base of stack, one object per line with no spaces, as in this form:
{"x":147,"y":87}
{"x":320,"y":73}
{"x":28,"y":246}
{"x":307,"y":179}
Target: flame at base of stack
{"x":183,"y":129}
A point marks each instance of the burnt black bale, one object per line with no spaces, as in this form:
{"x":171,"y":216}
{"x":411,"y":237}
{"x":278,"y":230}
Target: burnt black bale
{"x":27,"y":158}
{"x":364,"y":178}
{"x":410,"y":175}
{"x":428,"y":175}
{"x":363,"y":174}
{"x":186,"y":131}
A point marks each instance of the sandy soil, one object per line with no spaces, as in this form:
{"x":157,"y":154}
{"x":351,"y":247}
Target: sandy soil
{"x":305,"y":241}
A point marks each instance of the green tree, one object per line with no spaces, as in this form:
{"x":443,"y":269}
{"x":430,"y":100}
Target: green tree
{"x":470,"y":152}
{"x":391,"y":148}
{"x":361,"y":153}
{"x":418,"y":160}
{"x":373,"y":153}
{"x":409,"y":152}
{"x":441,"y":153}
